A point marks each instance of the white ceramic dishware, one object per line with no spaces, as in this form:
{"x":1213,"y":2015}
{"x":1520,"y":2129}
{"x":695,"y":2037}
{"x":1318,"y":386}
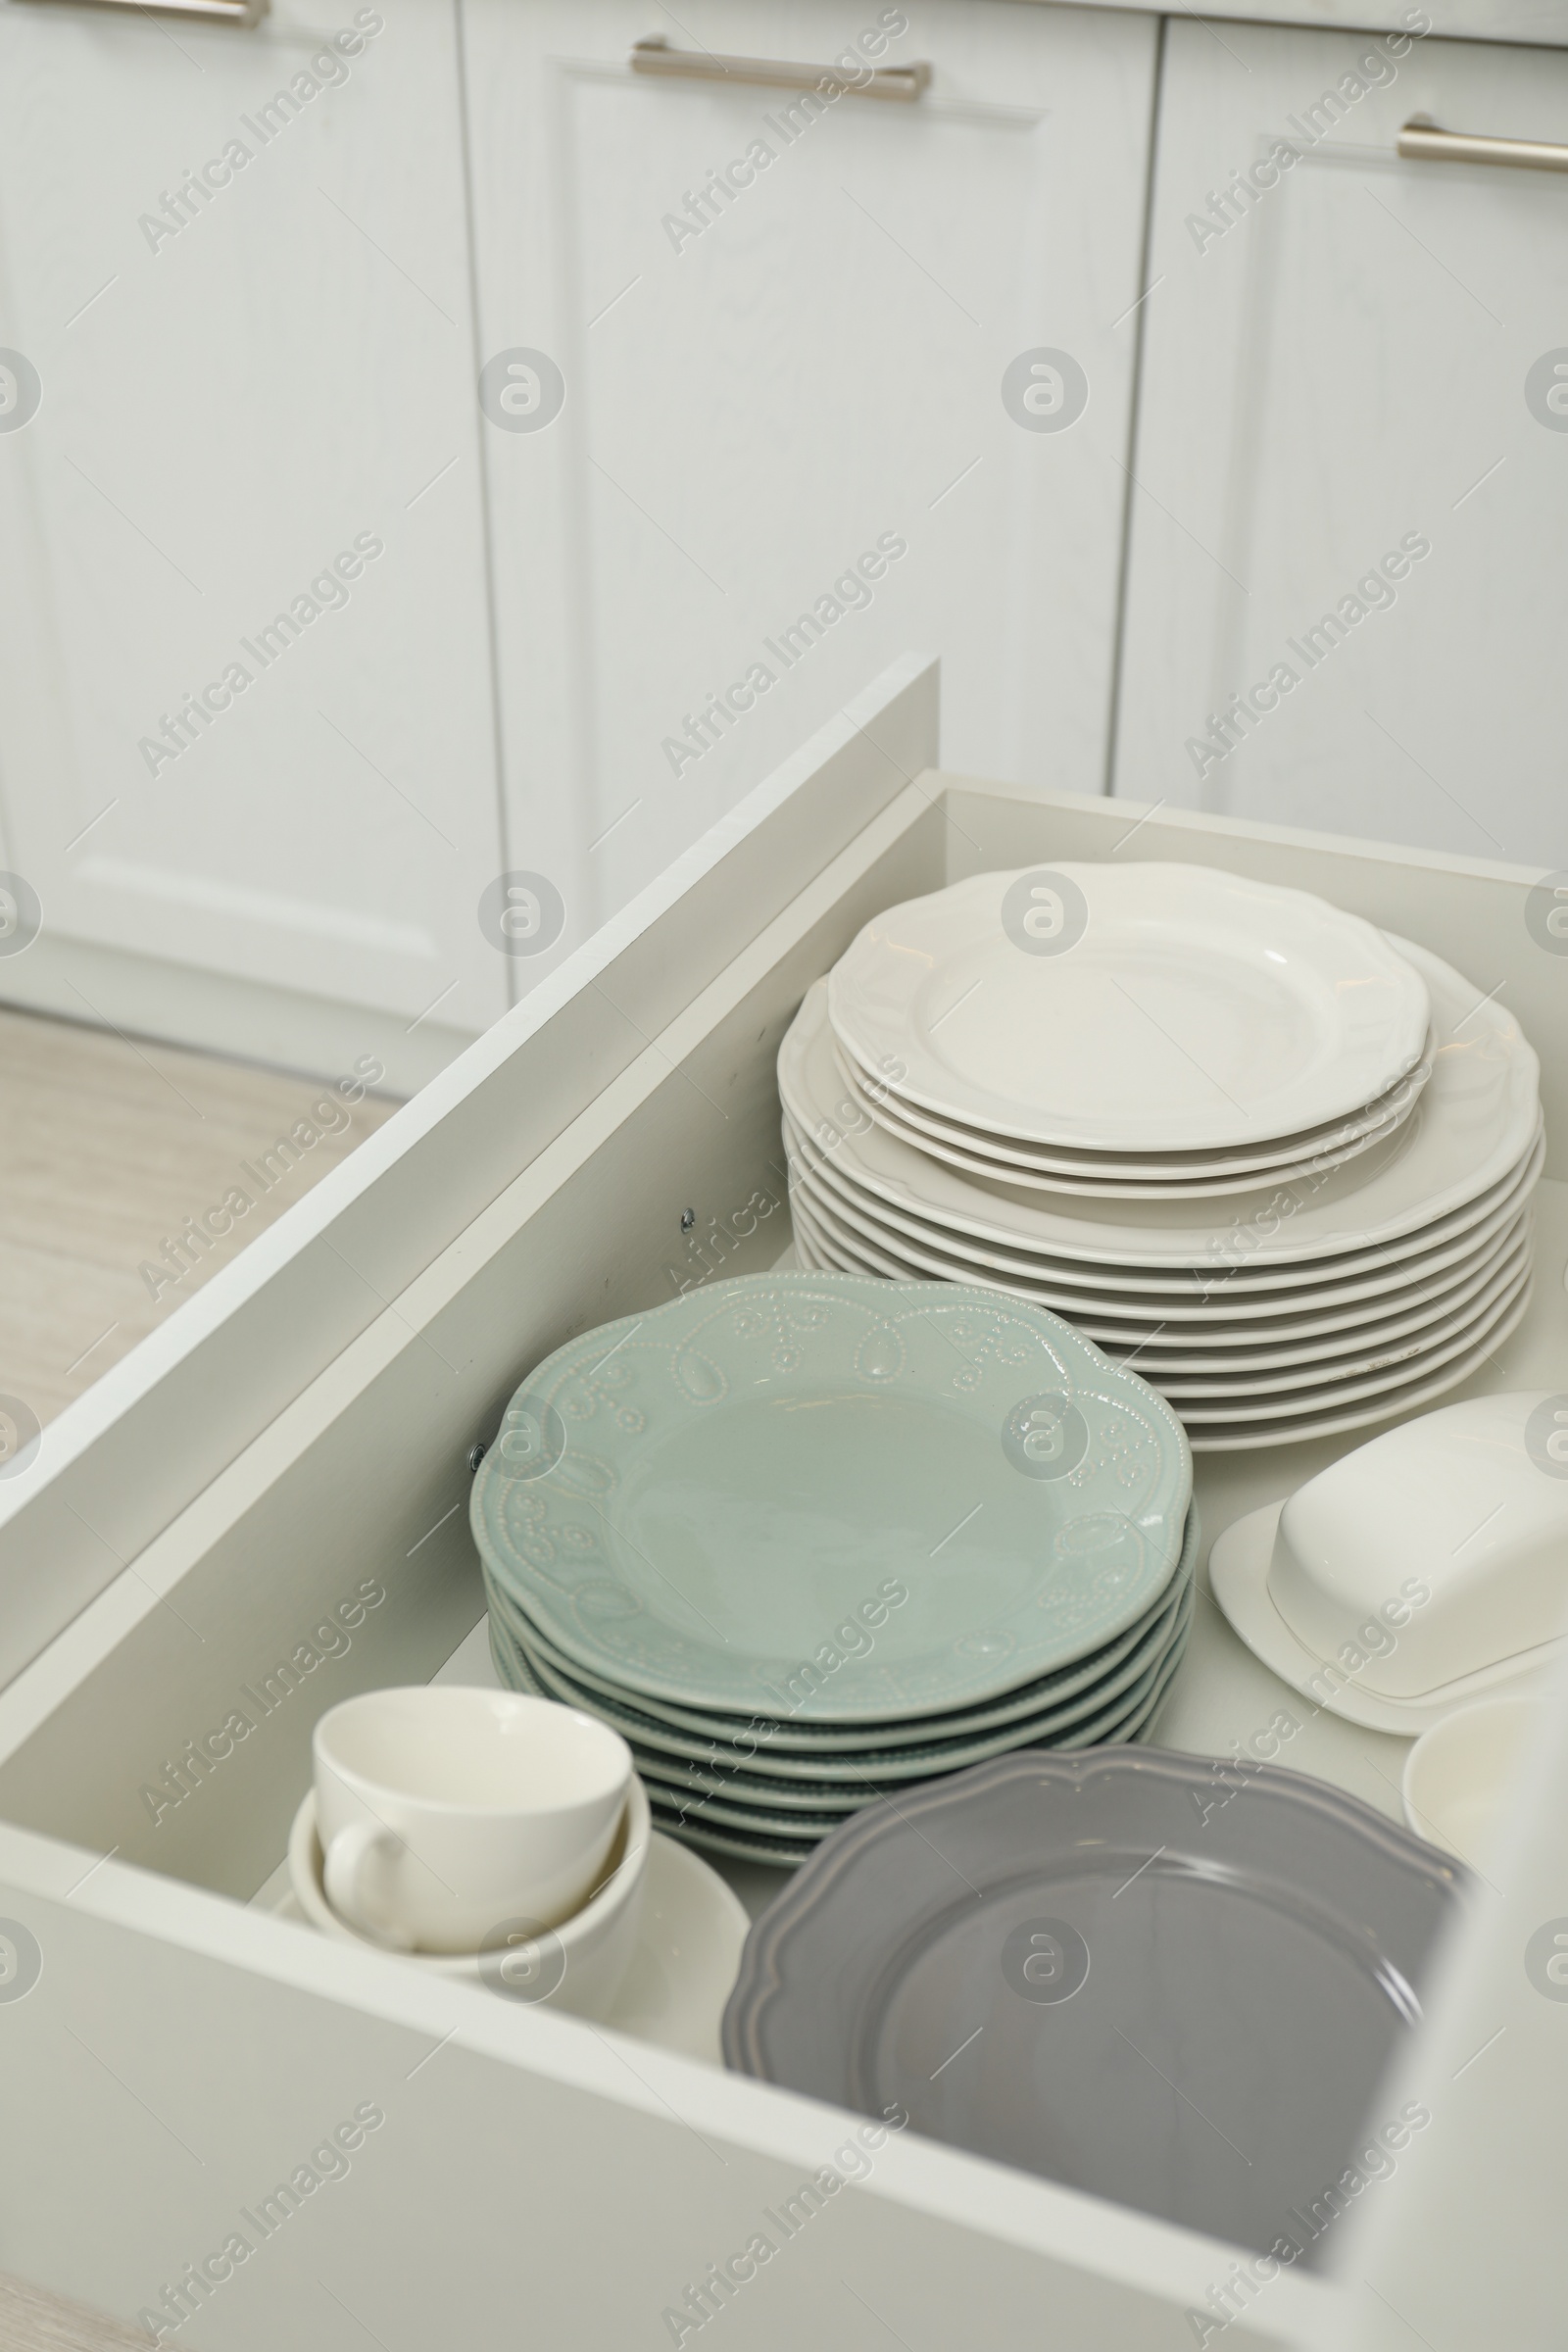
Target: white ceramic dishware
{"x":1289,"y":1299}
{"x":443,"y":1809}
{"x":1332,"y":1420}
{"x":1210,"y":1289}
{"x":1320,"y":1412}
{"x":1458,"y":1775}
{"x":1267,"y":1397}
{"x":1193,"y":1344}
{"x":1124,"y":1007}
{"x":1155,"y":1167}
{"x":1165,"y":1301}
{"x":1427,"y":1568}
{"x":578,"y":1964}
{"x":1474,"y":1125}
{"x":1461,"y":1315}
{"x":1185,"y":1179}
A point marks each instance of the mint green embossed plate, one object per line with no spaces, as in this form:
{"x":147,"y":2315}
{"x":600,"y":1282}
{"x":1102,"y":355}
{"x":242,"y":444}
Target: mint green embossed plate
{"x":521,"y":1667}
{"x":786,"y":1847}
{"x":751,"y":1845}
{"x":917,"y":1747}
{"x":832,"y":1497}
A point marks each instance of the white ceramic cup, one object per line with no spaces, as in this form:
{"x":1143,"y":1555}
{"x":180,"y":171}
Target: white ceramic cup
{"x":578,"y":1967}
{"x":443,"y":1809}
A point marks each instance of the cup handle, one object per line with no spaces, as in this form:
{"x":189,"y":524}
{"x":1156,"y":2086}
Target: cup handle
{"x":343,"y":1862}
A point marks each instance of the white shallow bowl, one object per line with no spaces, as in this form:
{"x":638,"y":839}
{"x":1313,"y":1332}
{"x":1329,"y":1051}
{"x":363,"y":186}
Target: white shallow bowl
{"x":577,"y":1966}
{"x":1459,"y":1776}
{"x":1427,"y":1568}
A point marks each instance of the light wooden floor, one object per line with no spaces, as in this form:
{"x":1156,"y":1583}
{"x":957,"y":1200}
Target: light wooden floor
{"x":106,"y":1146}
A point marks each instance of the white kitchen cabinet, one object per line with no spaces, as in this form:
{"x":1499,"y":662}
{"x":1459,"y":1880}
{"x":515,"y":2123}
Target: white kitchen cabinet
{"x":1354,"y":363}
{"x":266,"y":409}
{"x":767,"y":445}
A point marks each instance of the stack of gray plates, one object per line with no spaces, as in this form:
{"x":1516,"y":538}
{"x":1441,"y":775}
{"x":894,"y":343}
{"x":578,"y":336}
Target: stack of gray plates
{"x":804,"y":1538}
{"x":1282,"y":1160}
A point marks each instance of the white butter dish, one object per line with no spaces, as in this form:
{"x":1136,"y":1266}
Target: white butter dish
{"x":1427,"y":1568}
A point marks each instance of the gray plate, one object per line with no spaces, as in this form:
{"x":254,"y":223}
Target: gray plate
{"x":1179,"y":1989}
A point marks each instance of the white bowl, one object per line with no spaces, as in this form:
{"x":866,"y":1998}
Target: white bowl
{"x":1458,"y":1775}
{"x":1424,"y":1569}
{"x":577,"y":1966}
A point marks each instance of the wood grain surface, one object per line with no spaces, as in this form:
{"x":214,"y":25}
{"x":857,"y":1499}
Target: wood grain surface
{"x":108,"y":1143}
{"x":32,"y":2321}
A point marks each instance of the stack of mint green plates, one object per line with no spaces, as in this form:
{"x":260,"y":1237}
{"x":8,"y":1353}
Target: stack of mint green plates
{"x":804,"y":1538}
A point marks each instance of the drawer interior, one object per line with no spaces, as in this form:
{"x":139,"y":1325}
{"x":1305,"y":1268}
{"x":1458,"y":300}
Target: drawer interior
{"x":334,"y":1555}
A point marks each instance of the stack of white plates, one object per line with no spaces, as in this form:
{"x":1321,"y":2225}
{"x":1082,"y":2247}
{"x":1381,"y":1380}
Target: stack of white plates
{"x":1281,"y":1157}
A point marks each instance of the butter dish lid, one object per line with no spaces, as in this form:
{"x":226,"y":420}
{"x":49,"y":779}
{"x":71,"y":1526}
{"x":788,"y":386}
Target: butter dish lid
{"x":1448,"y":1535}
{"x":1424,"y":1569}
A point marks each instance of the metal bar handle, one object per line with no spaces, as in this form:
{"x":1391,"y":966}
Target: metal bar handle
{"x":656,"y":56}
{"x":1420,"y":142}
{"x":214,"y":12}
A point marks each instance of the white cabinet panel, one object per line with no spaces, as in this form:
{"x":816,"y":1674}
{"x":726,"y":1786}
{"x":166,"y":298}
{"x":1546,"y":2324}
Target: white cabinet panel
{"x":252,"y":478}
{"x":1340,"y":371}
{"x":768,"y":449}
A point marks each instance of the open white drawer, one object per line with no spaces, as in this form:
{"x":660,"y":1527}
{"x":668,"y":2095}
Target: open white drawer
{"x":305,"y":1425}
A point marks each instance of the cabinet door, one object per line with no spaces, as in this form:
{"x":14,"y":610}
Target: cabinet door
{"x":1352,"y":447}
{"x":254,"y":399}
{"x":763,"y":437}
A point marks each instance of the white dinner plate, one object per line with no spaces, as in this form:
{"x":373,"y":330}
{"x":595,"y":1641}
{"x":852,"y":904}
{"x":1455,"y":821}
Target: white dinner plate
{"x":1258,"y":1350}
{"x":1246,"y":1437}
{"x":977,"y":1159}
{"x":1246,"y":1412}
{"x":1156,"y":1334}
{"x":1201,"y":1298}
{"x":1181,"y":1352}
{"x":911,"y":1243}
{"x":1162,"y":1167}
{"x":1158,"y":1165}
{"x":1219,"y":1405}
{"x":1368,"y":1359}
{"x":1148,"y":1007}
{"x":1471,"y":1126}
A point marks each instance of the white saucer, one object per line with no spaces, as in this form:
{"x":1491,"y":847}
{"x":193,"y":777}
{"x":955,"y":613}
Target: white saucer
{"x":1238,"y":1571}
{"x":688,"y":1955}
{"x":690,"y":1934}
